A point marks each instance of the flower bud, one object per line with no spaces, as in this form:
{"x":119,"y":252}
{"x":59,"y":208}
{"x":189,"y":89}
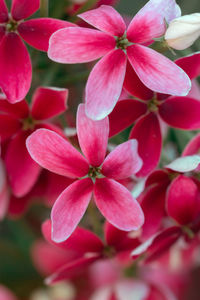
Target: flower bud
{"x":183,"y":31}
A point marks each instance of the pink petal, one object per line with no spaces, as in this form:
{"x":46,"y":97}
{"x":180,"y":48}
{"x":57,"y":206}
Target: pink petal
{"x":37,"y":32}
{"x":150,"y":21}
{"x":78,"y":45}
{"x":134,"y":85}
{"x":19,"y":205}
{"x":104,"y":84}
{"x":147,"y":132}
{"x":56,"y":154}
{"x":125,"y":113}
{"x":157,"y":177}
{"x":15,"y":68}
{"x":183,"y":200}
{"x":4,"y":192}
{"x":22,"y":170}
{"x":190,"y":64}
{"x":48,"y":102}
{"x":117,"y":205}
{"x":181,"y":112}
{"x":69,"y":209}
{"x":19,"y":110}
{"x":157,"y":71}
{"x":8,"y":126}
{"x":123,"y":161}
{"x":92,"y":136}
{"x":22,"y":9}
{"x":193,"y":146}
{"x":105,"y":18}
{"x":3,"y":12}
{"x":81,"y":240}
{"x":6,"y":294}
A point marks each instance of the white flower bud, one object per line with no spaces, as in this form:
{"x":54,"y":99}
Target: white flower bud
{"x":183,"y":31}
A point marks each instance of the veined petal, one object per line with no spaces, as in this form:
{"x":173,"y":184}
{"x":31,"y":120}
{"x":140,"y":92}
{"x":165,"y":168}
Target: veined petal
{"x":22,"y":9}
{"x":149,"y":22}
{"x":105,"y":18}
{"x":125,"y":113}
{"x":3,"y":12}
{"x":92,"y":136}
{"x":69,"y":208}
{"x":56,"y":154}
{"x":22,"y":170}
{"x":15,"y":68}
{"x":48,"y":102}
{"x":104,"y":84}
{"x":77,"y":45}
{"x":147,"y":132}
{"x":190,"y":64}
{"x":183,"y":200}
{"x":37,"y":32}
{"x":181,"y":112}
{"x":117,"y":205}
{"x":157,"y":72}
{"x":123,"y":161}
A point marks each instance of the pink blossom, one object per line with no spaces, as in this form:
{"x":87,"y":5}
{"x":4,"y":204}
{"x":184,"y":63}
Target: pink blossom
{"x":17,"y":121}
{"x":15,"y":62}
{"x":94,"y":174}
{"x":178,"y":112}
{"x":6,"y":294}
{"x":117,"y":44}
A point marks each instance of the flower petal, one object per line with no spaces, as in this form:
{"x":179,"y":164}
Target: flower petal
{"x":15,"y":68}
{"x":181,"y":112}
{"x":69,"y":208}
{"x":149,"y":22}
{"x":4,"y":192}
{"x":183,"y":200}
{"x":184,"y":164}
{"x":147,"y":132}
{"x":19,"y":110}
{"x":123,"y":161}
{"x":48,"y":102}
{"x":193,"y":146}
{"x":157,"y":72}
{"x":78,"y":45}
{"x":3,"y":12}
{"x":56,"y":154}
{"x":134,"y":85}
{"x":8,"y":126}
{"x":104,"y":84}
{"x":22,"y":170}
{"x":190,"y":64}
{"x":92,"y":136}
{"x":37,"y":32}
{"x":125,"y":113}
{"x":22,"y":9}
{"x":105,"y":18}
{"x":117,"y":205}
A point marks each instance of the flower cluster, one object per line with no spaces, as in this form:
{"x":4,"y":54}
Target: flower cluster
{"x":124,"y":163}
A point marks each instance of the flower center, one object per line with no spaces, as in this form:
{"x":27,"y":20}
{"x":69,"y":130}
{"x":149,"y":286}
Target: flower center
{"x":122,"y":42}
{"x":11,"y":26}
{"x":94,"y":172}
{"x":28,"y":123}
{"x":153,"y":105}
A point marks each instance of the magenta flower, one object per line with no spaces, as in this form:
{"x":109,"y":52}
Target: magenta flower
{"x":114,"y":201}
{"x":17,"y":122}
{"x":178,"y":112}
{"x":117,"y":44}
{"x":15,"y":63}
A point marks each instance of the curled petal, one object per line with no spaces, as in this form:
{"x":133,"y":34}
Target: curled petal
{"x":56,"y":154}
{"x":181,"y":112}
{"x":48,"y":102}
{"x":78,"y":45}
{"x":22,"y":9}
{"x":118,"y":205}
{"x":105,"y":18}
{"x":92,"y":136}
{"x":123,"y":161}
{"x":37,"y":32}
{"x":158,"y":72}
{"x":69,"y":208}
{"x":183,"y":200}
{"x":104,"y":84}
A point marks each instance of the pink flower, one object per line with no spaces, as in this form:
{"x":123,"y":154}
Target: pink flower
{"x":17,"y":121}
{"x":15,"y":63}
{"x":178,"y":112}
{"x":6,"y":294}
{"x":117,"y":44}
{"x":93,"y":173}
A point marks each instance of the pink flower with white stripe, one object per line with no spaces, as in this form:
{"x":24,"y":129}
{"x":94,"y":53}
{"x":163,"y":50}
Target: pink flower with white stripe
{"x":118,"y":45}
{"x":15,"y":62}
{"x":94,"y":174}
